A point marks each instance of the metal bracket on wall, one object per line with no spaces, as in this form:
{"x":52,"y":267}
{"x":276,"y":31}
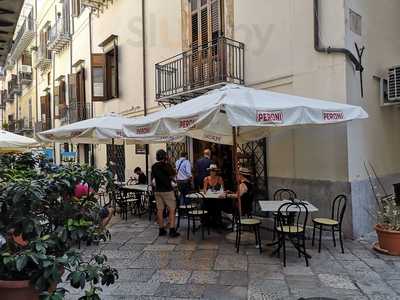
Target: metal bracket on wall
{"x":360,"y":53}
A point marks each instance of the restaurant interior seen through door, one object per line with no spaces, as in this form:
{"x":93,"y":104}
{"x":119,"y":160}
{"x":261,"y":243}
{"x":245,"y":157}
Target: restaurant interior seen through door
{"x":252,"y":155}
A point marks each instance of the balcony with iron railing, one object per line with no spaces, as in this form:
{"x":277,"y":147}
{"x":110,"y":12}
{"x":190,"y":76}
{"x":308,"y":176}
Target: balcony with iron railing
{"x":25,"y":77}
{"x":14,"y":87}
{"x":24,"y":37}
{"x":10,"y":63}
{"x":59,"y":36}
{"x":23,"y":125}
{"x":42,"y":58}
{"x":199,"y":70}
{"x":97,"y":6}
{"x":74,"y":112}
{"x":10,"y":126}
{"x":43,"y":125}
{"x":4,"y":97}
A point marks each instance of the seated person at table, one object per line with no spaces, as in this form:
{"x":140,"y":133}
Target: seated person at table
{"x":106,"y":213}
{"x":245,"y":191}
{"x":213,"y":182}
{"x":141,"y":177}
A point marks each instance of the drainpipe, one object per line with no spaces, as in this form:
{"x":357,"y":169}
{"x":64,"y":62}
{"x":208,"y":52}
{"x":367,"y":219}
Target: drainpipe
{"x":17,"y":96}
{"x":144,"y":78}
{"x":53,"y":58}
{"x":91,"y":80}
{"x":319,"y":48}
{"x":36,"y":71}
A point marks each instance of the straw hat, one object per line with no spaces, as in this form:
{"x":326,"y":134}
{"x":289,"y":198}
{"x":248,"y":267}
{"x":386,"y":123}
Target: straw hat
{"x":245,"y":171}
{"x":213,"y":167}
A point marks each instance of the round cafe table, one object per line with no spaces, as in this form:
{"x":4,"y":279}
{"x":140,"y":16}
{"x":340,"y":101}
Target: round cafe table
{"x":214,"y":203}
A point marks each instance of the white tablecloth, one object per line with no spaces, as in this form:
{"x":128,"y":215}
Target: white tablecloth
{"x":137,"y":187}
{"x":208,"y":195}
{"x":273,"y":206}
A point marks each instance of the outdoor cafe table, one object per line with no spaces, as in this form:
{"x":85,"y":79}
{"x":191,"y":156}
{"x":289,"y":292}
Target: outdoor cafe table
{"x":136,"y":187}
{"x":141,"y":189}
{"x":273,"y":206}
{"x":214,"y":203}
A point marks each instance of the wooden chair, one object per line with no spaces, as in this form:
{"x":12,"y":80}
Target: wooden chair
{"x":250,"y":223}
{"x":294,"y":231}
{"x":333,"y":224}
{"x":280,"y":195}
{"x":198,"y":214}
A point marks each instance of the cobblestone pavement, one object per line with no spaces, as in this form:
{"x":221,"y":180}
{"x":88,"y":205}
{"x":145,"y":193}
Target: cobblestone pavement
{"x":161,"y":268}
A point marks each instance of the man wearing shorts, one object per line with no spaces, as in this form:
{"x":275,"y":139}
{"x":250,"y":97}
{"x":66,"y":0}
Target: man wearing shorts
{"x":162,"y":174}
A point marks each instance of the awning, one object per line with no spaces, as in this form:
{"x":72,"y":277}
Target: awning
{"x":9,"y":14}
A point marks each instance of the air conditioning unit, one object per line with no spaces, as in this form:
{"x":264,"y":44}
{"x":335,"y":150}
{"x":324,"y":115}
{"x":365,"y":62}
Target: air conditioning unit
{"x":393,"y":93}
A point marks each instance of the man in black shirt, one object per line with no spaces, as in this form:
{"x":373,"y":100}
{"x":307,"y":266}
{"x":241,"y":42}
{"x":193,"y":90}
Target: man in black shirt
{"x":141,"y":177}
{"x":162,"y":174}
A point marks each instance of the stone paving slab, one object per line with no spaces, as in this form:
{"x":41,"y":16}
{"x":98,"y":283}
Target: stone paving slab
{"x":153,"y":268}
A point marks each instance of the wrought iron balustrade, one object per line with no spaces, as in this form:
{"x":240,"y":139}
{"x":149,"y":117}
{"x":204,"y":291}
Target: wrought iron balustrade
{"x":203,"y":67}
{"x":75,"y":112}
{"x":59,"y":35}
{"x":24,"y":37}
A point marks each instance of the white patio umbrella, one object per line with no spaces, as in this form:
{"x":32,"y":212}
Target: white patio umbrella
{"x":99,"y":130}
{"x":14,"y":142}
{"x":234,"y":114}
{"x":251,"y":113}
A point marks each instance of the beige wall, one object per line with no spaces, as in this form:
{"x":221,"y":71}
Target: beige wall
{"x":163,"y":40}
{"x":280,"y":56}
{"x":377,"y":139}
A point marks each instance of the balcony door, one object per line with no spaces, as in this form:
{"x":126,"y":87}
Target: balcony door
{"x":45,"y":109}
{"x":77,"y":100}
{"x":206,"y":30}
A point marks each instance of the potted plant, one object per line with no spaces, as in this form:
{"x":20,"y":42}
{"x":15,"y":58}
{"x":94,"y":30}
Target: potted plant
{"x":388,"y":226}
{"x":42,"y":222}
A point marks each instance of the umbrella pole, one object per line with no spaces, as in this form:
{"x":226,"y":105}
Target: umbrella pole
{"x":114,"y":157}
{"x":236,"y":166}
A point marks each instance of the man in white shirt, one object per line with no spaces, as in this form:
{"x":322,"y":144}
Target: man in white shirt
{"x":184,"y":176}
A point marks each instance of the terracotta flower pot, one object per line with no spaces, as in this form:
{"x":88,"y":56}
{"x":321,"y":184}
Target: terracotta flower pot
{"x":389,"y":240}
{"x":18,"y":290}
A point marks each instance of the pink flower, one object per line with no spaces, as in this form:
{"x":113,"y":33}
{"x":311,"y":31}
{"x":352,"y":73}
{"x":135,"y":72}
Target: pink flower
{"x":81,"y":190}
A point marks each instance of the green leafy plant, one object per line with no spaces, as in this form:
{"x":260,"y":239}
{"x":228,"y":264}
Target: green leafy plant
{"x":42,"y":221}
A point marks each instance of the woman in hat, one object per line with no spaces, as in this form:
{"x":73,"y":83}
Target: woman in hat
{"x":245,"y":191}
{"x":213,"y":182}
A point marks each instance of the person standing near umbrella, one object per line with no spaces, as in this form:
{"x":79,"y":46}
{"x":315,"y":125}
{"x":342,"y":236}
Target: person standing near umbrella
{"x":183,"y":176}
{"x":202,"y":166}
{"x":163,"y":174}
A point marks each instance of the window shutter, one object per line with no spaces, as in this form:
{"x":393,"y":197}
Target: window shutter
{"x":62,"y":100}
{"x":98,"y":77}
{"x":45,"y":112}
{"x":204,"y":26}
{"x":81,"y":94}
{"x":72,"y":88}
{"x":215,"y":19}
{"x":56,"y":97}
{"x":43,"y":108}
{"x":76,"y":8}
{"x":116,"y":83}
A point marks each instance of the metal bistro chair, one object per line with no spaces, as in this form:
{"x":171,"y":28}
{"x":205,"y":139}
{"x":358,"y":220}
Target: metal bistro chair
{"x":334,"y":224}
{"x":152,"y":204}
{"x":293,"y":231}
{"x":242,"y":223}
{"x":279,"y":195}
{"x":198,"y":214}
{"x":183,"y":209}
